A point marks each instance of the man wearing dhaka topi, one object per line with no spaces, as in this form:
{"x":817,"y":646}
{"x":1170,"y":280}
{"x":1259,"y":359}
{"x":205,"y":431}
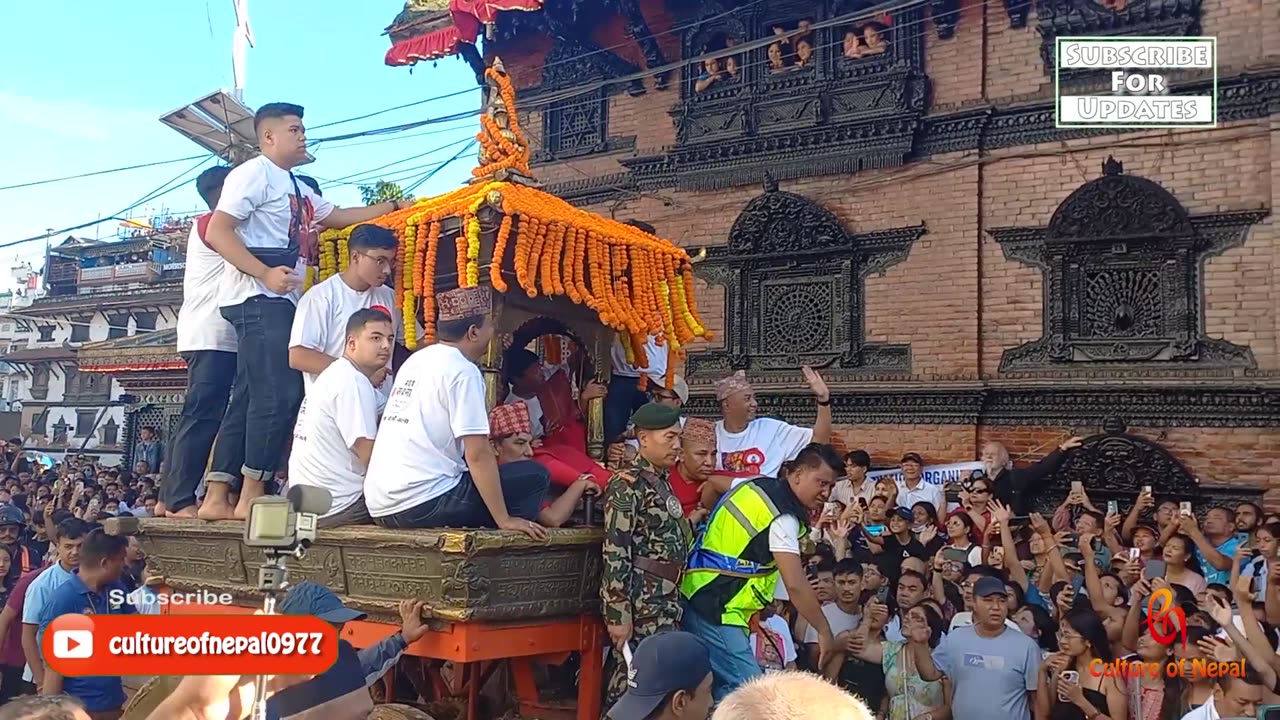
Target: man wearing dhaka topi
{"x":433,"y":465}
{"x":759,"y":446}
{"x":511,"y":434}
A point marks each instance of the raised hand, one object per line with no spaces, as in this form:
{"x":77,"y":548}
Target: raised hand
{"x":816,"y":384}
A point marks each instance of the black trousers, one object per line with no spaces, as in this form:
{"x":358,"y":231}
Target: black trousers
{"x":210,"y":374}
{"x":264,"y":402}
{"x":623,"y":398}
{"x":524,"y":488}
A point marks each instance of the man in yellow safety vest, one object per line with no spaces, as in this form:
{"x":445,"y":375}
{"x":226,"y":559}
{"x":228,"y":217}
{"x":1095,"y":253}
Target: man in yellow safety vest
{"x":751,"y":539}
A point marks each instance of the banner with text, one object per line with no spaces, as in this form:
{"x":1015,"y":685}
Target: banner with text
{"x":934,"y":474}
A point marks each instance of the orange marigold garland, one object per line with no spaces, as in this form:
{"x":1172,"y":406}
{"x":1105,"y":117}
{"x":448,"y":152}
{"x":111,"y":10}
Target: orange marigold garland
{"x":499,"y":254}
{"x":429,"y":282}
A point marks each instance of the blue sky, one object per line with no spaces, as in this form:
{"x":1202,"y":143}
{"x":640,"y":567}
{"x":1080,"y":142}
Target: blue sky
{"x":86,"y":83}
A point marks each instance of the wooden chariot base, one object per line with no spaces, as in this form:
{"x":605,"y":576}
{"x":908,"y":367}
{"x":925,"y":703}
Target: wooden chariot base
{"x":492,"y":599}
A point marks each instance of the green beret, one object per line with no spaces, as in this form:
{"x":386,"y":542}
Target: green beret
{"x":652,"y":416}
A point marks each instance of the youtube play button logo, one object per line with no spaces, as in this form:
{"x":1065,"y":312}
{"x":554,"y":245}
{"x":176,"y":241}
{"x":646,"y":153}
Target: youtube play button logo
{"x":73,"y":644}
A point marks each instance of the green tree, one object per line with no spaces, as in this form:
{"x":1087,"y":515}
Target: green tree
{"x":382,"y":191}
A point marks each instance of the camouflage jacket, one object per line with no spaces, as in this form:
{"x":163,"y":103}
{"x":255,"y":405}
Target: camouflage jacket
{"x":642,"y":519}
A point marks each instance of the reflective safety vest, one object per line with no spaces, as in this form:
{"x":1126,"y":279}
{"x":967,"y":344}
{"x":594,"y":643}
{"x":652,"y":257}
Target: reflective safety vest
{"x":731,"y":573}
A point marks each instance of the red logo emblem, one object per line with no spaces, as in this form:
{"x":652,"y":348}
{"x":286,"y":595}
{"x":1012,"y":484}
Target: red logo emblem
{"x":1167,"y":623}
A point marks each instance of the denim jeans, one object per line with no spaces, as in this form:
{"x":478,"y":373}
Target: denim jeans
{"x":623,"y":398}
{"x":210,"y":374}
{"x":267,"y":392}
{"x":732,"y":662}
{"x":524,"y":488}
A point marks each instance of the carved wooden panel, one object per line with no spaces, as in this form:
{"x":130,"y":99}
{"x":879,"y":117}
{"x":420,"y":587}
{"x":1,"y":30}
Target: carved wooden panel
{"x":1106,"y":18}
{"x":1115,"y":465}
{"x":793,"y":279}
{"x":1122,"y":262}
{"x":460,"y":574}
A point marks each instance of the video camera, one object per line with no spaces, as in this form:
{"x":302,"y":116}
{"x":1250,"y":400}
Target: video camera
{"x":285,"y":524}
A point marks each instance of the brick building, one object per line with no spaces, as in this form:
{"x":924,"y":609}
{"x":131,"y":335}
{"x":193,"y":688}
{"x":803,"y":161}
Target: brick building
{"x":895,"y":205}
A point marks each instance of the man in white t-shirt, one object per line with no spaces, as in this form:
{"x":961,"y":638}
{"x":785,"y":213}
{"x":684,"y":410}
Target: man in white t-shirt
{"x":258,"y":229}
{"x":760,"y":445}
{"x":432,"y":464}
{"x":320,"y":335}
{"x":338,"y":420}
{"x":208,"y":344}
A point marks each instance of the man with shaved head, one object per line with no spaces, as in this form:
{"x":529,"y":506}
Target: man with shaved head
{"x":791,"y":695}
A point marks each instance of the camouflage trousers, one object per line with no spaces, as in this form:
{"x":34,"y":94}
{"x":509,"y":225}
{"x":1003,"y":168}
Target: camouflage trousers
{"x":616,"y":666}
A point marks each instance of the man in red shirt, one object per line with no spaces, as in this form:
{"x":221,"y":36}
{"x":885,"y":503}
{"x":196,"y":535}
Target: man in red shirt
{"x":695,"y":480}
{"x":12,"y":659}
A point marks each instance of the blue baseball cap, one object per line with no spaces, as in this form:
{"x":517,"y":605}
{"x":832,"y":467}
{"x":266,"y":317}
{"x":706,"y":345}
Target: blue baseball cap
{"x":661,"y":665}
{"x":308,"y":598}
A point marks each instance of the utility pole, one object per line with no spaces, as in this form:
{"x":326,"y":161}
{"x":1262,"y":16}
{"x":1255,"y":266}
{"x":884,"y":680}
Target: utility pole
{"x":241,"y":41}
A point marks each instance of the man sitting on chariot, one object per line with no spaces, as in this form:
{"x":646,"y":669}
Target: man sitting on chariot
{"x":511,"y":434}
{"x":432,"y":464}
{"x":558,"y":428}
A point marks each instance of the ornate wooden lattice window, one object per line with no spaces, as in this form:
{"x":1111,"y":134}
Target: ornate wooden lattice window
{"x":1105,"y":18}
{"x":793,"y":279}
{"x":46,"y":333}
{"x":818,"y":100}
{"x":1116,"y":465}
{"x":578,"y":125}
{"x":1123,"y":278}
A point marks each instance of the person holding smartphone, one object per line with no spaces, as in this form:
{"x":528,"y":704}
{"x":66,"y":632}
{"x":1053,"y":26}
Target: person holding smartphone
{"x":1074,"y":691}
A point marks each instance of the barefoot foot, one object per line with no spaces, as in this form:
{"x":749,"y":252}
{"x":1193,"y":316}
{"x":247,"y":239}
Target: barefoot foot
{"x":213,"y":509}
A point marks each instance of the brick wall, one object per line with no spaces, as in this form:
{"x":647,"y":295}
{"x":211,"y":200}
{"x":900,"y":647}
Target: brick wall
{"x":956,"y":299}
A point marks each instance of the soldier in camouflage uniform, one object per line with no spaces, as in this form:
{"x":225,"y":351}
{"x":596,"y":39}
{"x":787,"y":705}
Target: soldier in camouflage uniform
{"x":646,"y":542}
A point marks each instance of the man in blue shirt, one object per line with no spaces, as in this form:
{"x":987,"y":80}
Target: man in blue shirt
{"x":68,"y":536}
{"x":88,"y":592}
{"x":1216,"y":543}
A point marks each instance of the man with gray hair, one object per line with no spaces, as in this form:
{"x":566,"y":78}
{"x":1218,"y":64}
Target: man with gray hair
{"x":791,"y":695}
{"x":44,"y":707}
{"x":1014,"y":486}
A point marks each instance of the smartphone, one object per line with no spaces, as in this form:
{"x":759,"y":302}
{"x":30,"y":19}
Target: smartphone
{"x":829,"y":508}
{"x":1146,"y":490}
{"x":1134,"y":554}
{"x":1154,"y":569}
{"x":1077,"y":486}
{"x":1113,"y":507}
{"x":1184,"y":508}
{"x":1067,"y":676}
{"x":883,"y":594}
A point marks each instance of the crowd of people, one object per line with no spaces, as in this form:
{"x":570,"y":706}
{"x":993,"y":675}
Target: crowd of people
{"x":746,"y":563}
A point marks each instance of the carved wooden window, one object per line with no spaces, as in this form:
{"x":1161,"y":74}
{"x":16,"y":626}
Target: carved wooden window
{"x":793,"y":279}
{"x":40,"y":382}
{"x":80,"y":325}
{"x":40,"y":423}
{"x":46,"y":333}
{"x":144,"y":321}
{"x":1122,"y":263}
{"x":110,"y":432}
{"x":117,"y":326}
{"x":84,"y":422}
{"x":1105,"y":18}
{"x":802,"y":107}
{"x":576,"y":126}
{"x":60,"y":429}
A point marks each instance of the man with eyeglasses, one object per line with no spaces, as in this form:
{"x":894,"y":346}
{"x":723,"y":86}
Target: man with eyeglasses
{"x":319,"y":335}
